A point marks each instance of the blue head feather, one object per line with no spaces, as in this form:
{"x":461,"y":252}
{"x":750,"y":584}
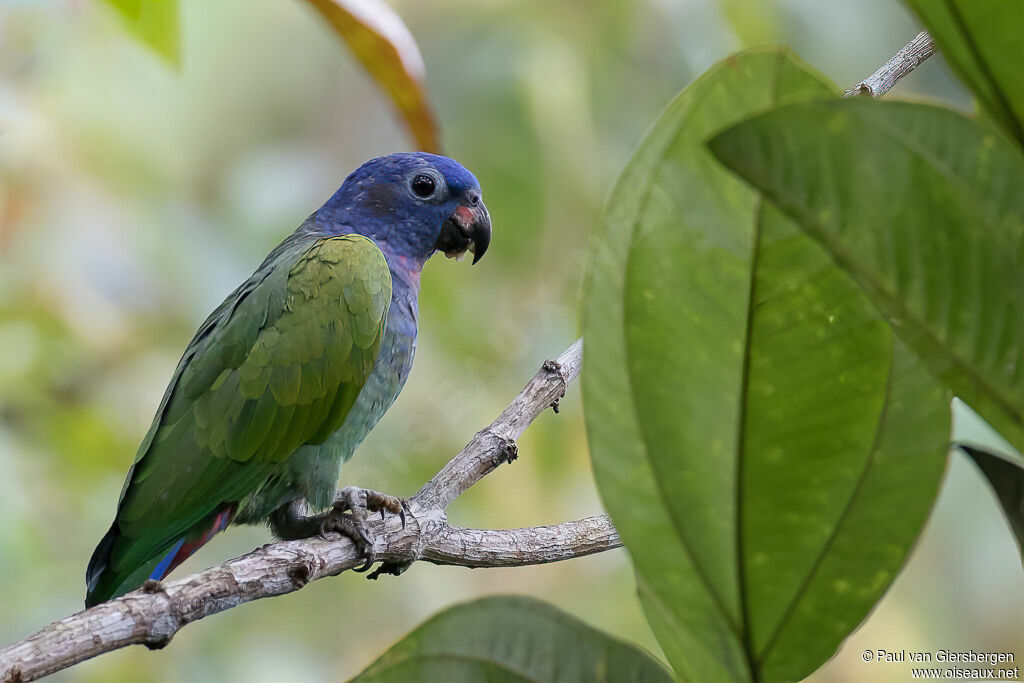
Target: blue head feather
{"x":377,"y":200}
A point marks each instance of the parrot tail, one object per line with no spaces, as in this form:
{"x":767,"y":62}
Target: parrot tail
{"x":104,"y":582}
{"x":195,"y":539}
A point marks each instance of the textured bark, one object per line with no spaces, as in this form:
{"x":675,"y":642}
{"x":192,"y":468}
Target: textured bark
{"x":518,"y":547}
{"x":902,"y":63}
{"x":152,"y":615}
{"x":496,"y":444}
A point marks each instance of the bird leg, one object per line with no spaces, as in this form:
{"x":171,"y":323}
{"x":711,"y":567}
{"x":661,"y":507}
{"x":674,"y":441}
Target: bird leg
{"x":347,"y":516}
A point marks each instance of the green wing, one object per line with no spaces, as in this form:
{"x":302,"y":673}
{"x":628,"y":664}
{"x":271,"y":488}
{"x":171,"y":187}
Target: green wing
{"x":278,"y":365}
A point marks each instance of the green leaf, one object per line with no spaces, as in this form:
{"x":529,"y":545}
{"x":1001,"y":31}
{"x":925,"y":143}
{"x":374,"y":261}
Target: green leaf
{"x":382,"y":43}
{"x":924,"y":208}
{"x":753,"y":422}
{"x":1007,"y":481}
{"x":981,"y":40}
{"x":154,"y":23}
{"x":511,"y":638}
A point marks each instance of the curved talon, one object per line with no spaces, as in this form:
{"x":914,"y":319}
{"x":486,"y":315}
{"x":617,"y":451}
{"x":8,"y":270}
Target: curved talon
{"x":369,"y":556}
{"x":356,"y":533}
{"x":348,"y":517}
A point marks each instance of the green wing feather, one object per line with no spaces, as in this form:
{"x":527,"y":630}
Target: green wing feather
{"x":278,"y":365}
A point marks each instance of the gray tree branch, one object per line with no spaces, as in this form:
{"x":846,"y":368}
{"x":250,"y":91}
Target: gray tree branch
{"x":902,"y":63}
{"x":152,"y":615}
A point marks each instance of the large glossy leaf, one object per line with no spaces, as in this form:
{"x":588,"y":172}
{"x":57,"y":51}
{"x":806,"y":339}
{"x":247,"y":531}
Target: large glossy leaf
{"x":511,"y":638}
{"x":753,"y":423}
{"x":155,"y":24}
{"x":924,"y":208}
{"x":380,"y":40}
{"x":981,"y":40}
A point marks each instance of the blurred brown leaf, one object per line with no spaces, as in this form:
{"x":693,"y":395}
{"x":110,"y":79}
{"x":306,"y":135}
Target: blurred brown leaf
{"x":383,"y":44}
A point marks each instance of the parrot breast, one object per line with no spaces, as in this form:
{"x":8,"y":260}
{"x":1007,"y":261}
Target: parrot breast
{"x":319,"y":467}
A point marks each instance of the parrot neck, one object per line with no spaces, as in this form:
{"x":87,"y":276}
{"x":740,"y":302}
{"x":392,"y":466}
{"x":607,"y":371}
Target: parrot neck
{"x":405,"y":292}
{"x":405,"y":270}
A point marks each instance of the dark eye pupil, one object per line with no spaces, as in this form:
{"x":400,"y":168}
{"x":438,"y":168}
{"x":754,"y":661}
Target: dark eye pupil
{"x":423,"y":185}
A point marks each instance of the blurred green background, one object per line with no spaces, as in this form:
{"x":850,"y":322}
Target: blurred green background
{"x":134,"y":196}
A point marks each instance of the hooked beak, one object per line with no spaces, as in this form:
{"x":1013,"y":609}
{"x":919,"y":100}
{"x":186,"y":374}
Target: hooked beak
{"x":467,"y":229}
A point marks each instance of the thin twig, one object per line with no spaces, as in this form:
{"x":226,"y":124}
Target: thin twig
{"x":496,"y":443}
{"x":902,"y":63}
{"x":152,"y":615}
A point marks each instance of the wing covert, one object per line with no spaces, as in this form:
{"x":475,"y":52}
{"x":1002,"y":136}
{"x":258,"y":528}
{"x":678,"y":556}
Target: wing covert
{"x":277,"y":366}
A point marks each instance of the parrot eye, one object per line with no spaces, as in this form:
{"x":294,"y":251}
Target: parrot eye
{"x":423,"y":186}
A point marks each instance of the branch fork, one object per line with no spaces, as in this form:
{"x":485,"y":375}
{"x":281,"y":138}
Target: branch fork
{"x":153,"y":614}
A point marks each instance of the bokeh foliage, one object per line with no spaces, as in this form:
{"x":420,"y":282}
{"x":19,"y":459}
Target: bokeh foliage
{"x":154,"y":23}
{"x":134,"y":196}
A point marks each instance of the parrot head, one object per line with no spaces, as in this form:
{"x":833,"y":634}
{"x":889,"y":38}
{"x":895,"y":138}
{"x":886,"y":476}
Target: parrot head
{"x":412,"y":205}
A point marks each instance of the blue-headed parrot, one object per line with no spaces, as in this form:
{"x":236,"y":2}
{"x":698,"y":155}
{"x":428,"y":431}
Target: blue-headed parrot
{"x":290,"y":373}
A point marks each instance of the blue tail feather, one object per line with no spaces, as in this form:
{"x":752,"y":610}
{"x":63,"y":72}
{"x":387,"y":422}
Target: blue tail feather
{"x":165,"y":564}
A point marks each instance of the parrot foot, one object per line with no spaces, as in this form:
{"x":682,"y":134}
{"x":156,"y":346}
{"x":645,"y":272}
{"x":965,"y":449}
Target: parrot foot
{"x":344,"y":524}
{"x":348,"y":517}
{"x":352,"y":507}
{"x":361,"y":502}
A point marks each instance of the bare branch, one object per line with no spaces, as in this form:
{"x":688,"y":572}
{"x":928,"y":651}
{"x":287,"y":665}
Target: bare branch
{"x":151,"y":616}
{"x":496,"y":444}
{"x":517,"y":547}
{"x":902,"y":63}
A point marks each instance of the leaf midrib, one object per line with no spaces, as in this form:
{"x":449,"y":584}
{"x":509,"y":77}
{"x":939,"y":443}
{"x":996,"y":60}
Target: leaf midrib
{"x":888,"y":302}
{"x":741,"y":422}
{"x":741,"y":442}
{"x":658,"y":485}
{"x":894,"y":302}
{"x":869,"y":462}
